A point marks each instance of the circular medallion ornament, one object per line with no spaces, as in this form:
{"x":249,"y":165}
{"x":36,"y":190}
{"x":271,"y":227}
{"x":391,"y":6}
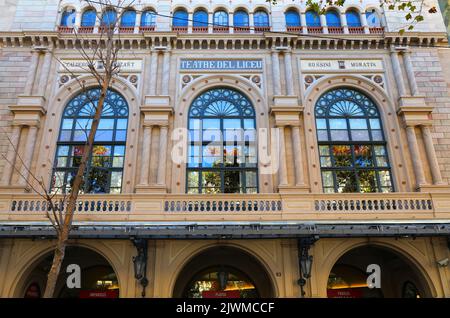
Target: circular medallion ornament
{"x":64,"y":79}
{"x":186,"y":79}
{"x":256,"y":79}
{"x":309,"y":79}
{"x":378,"y":79}
{"x":133,"y":79}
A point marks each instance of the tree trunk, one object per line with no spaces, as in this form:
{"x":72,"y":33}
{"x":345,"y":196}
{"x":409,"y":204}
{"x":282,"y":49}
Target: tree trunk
{"x":63,"y":233}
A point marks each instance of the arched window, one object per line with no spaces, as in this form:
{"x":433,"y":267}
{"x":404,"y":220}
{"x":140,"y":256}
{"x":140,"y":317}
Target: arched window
{"x":128,"y":19}
{"x":353,"y":19}
{"x":240,"y":19}
{"x":88,"y":18}
{"x":221,"y":18}
{"x":148,"y":18}
{"x":261,"y":18}
{"x":373,"y":19}
{"x":200,"y":18}
{"x":180,"y":18}
{"x":292,"y":18}
{"x":68,"y":18}
{"x":105,"y":166}
{"x":222,"y":143}
{"x":333,"y":19}
{"x":312,"y":19}
{"x":352,"y":148}
{"x":109,"y":17}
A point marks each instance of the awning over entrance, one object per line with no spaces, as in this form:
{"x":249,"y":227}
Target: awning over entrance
{"x":230,"y":230}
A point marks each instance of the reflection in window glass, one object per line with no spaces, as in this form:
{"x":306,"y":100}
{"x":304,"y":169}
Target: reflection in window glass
{"x":352,"y":148}
{"x":222,"y":156}
{"x":106,"y":162}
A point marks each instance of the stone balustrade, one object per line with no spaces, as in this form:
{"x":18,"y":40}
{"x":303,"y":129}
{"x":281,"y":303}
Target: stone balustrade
{"x":229,"y":207}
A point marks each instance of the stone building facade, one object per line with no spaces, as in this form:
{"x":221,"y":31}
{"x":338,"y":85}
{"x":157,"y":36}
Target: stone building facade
{"x":344,"y":156}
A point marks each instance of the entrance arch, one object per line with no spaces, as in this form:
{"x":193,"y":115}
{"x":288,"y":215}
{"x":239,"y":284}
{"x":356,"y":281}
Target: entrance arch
{"x":223,"y":272}
{"x":399,"y":278}
{"x":98,"y":278}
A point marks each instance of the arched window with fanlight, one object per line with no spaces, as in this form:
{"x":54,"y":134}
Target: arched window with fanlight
{"x":180,"y":18}
{"x":333,"y":18}
{"x":200,"y":18}
{"x":88,"y":18}
{"x":220,"y":18}
{"x":128,"y":19}
{"x":148,"y":18}
{"x":222,"y":156}
{"x":104,"y":169}
{"x":68,"y":18}
{"x":312,"y":19}
{"x":292,"y":18}
{"x":352,"y":147}
{"x":353,"y":19}
{"x":240,"y":19}
{"x":261,"y":18}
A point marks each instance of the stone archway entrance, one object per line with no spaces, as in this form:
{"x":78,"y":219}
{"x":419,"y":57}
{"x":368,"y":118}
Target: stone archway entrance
{"x":223,"y":272}
{"x":98,"y":279}
{"x":399,"y":277}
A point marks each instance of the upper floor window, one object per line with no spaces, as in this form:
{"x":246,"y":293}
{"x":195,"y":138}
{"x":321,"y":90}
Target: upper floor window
{"x":261,"y":18}
{"x":109,"y":17}
{"x":148,"y":18}
{"x":128,"y":19}
{"x":373,"y":19}
{"x":352,"y":147}
{"x":180,"y":18}
{"x":68,"y":18}
{"x":221,"y":18}
{"x":292,"y":18}
{"x":105,"y":165}
{"x":333,"y":19}
{"x":88,"y":18}
{"x":200,"y":18}
{"x":312,"y":19}
{"x":353,"y":19}
{"x":240,"y":19}
{"x":222,"y":144}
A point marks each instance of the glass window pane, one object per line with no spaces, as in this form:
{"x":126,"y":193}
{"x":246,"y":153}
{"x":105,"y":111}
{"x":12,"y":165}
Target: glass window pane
{"x":63,"y":150}
{"x":118,"y":162}
{"x":232,"y":124}
{"x":80,"y":135}
{"x":363,"y":156}
{"x":321,"y":123}
{"x":212,"y":135}
{"x":192,"y":190}
{"x":367,"y":181}
{"x":65,"y":135}
{"x":61,"y":162}
{"x":232,"y":181}
{"x":324,"y":150}
{"x":211,"y":123}
{"x":338,"y":124}
{"x":358,"y":123}
{"x":377,"y":135}
{"x":106,"y":124}
{"x":103,"y":135}
{"x":98,"y":181}
{"x":385,"y":178}
{"x":322,"y":135}
{"x":382,"y":162}
{"x":119,"y":150}
{"x":211,"y":179}
{"x":360,"y":135}
{"x":327,"y":179}
{"x":339,"y":135}
{"x":67,"y":124}
{"x":325,"y":162}
{"x":375,"y":124}
{"x":121,"y":135}
{"x":194,"y":123}
{"x":380,"y":150}
{"x":194,"y":135}
{"x":193,"y":180}
{"x":342,"y":156}
{"x":249,"y":123}
{"x":116,"y":179}
{"x":346,"y":181}
{"x":251,"y":179}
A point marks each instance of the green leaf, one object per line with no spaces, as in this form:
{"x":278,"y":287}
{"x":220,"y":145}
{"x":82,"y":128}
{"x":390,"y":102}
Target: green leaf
{"x":408,"y":16}
{"x":401,"y":31}
{"x":419,"y":18}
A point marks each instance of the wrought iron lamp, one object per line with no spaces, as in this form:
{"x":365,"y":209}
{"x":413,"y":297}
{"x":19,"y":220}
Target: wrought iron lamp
{"x":140,"y":263}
